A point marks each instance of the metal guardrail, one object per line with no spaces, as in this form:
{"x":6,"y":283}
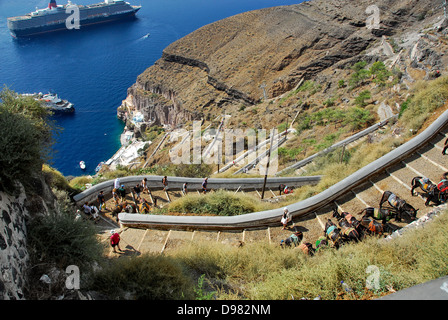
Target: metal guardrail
{"x":272,"y":217}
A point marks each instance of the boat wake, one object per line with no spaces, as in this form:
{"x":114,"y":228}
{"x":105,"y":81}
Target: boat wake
{"x":144,"y":37}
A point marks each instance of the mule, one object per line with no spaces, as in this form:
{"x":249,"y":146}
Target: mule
{"x":403,"y":208}
{"x":130,"y":208}
{"x":333,"y":233}
{"x":372,"y":226}
{"x":118,"y":208}
{"x":124,"y":207}
{"x":442,"y":188}
{"x":384,"y":214}
{"x":349,"y":234}
{"x":307,"y":248}
{"x":295,"y":239}
{"x":431,"y":192}
{"x":347,"y":220}
{"x":445,"y":146}
{"x":144,"y":207}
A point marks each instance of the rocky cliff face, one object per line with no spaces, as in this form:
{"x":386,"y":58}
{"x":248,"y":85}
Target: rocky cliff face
{"x":226,"y":63}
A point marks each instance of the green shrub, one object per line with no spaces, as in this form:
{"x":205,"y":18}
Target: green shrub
{"x":223,"y":203}
{"x":327,"y":141}
{"x":152,"y":133}
{"x":403,"y":107}
{"x":288,"y":154}
{"x":360,"y":74}
{"x":55,"y":179}
{"x":380,"y":73}
{"x":329,"y":102}
{"x":181,"y":170}
{"x":360,"y":100}
{"x":193,"y":170}
{"x":60,"y":239}
{"x":303,"y":123}
{"x":358,"y":118}
{"x":146,"y":277}
{"x":79,"y":183}
{"x":21,"y":146}
{"x":25,"y":139}
{"x":309,"y":86}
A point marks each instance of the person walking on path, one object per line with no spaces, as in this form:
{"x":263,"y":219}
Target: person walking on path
{"x":115,"y":241}
{"x":204,"y":186}
{"x":117,"y":183}
{"x":145,"y":185}
{"x":101,"y":201}
{"x":122,"y":193}
{"x":115,"y":196}
{"x":91,"y":211}
{"x":286,"y":217}
{"x":165,"y":183}
{"x":137,"y":191}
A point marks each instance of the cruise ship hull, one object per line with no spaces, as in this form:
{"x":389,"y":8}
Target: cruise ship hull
{"x":36,"y":31}
{"x":62,"y":17}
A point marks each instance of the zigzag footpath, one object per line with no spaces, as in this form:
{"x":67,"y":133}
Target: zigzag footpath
{"x":299,"y":209}
{"x":175,"y":183}
{"x":248,"y":153}
{"x":344,"y":142}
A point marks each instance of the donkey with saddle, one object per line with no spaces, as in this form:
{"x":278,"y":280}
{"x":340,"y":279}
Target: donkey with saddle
{"x":431,"y":191}
{"x":294,"y":239}
{"x":400,"y":206}
{"x":350,"y":226}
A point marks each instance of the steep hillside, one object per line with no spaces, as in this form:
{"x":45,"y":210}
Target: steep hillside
{"x":264,"y":67}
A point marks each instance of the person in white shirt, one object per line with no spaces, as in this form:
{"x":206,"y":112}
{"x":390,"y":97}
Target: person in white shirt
{"x":117,"y":183}
{"x":286,"y":217}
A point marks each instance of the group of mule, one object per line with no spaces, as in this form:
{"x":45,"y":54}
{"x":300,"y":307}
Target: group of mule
{"x":374,"y":221}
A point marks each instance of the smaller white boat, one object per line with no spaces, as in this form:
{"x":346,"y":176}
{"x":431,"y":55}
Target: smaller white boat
{"x":52,"y":101}
{"x":82,"y":165}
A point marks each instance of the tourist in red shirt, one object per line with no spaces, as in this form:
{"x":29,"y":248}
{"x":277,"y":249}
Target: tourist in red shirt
{"x":115,"y":240}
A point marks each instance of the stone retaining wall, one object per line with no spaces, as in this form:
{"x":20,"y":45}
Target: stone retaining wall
{"x":13,"y":253}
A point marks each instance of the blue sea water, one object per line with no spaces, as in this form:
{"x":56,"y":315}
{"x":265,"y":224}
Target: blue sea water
{"x":94,"y":67}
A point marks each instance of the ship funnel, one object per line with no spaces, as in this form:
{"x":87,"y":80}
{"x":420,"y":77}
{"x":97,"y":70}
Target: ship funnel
{"x":52,"y":4}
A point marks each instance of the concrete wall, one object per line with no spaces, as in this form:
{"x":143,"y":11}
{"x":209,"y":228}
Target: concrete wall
{"x":175,"y":183}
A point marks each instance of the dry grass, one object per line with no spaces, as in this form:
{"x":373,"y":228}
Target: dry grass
{"x":263,"y":271}
{"x":427,"y":97}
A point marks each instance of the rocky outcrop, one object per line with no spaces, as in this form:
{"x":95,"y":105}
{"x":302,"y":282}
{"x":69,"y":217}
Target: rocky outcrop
{"x":158,"y":106}
{"x":226,"y":62}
